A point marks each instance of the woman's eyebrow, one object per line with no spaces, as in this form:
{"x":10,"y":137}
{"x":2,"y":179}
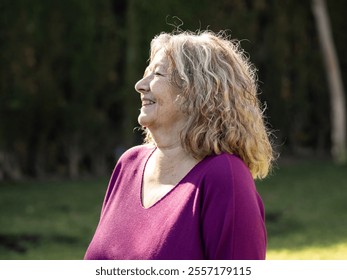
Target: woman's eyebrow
{"x":158,"y":64}
{"x":152,"y":67}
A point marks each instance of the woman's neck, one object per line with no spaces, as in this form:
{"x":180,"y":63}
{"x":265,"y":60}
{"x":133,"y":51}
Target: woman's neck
{"x":169,"y":152}
{"x":169,"y":164}
{"x":167,"y":140}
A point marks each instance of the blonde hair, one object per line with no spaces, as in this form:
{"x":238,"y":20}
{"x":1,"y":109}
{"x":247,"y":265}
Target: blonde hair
{"x":219,"y":92}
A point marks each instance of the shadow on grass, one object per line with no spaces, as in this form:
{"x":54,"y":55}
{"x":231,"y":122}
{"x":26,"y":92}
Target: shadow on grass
{"x":21,"y":243}
{"x":279,"y":225}
{"x":55,"y":219}
{"x":293,"y":234}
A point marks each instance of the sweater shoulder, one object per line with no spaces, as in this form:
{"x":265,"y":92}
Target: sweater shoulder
{"x":227,"y":164}
{"x":226,"y":173}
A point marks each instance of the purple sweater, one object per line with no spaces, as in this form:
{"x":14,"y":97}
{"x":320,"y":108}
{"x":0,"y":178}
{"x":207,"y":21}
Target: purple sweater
{"x":214,"y":212}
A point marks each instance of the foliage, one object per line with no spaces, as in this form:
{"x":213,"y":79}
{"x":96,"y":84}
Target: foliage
{"x":67,"y":99}
{"x":58,"y":85}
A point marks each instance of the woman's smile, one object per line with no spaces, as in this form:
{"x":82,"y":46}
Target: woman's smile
{"x":147,"y":102}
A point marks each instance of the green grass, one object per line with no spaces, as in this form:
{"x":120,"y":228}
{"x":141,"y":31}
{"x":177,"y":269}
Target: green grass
{"x":48,"y":220}
{"x":306,"y":205}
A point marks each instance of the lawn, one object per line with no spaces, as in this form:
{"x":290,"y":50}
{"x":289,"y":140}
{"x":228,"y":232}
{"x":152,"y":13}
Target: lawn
{"x":48,"y":220}
{"x":306,"y":205}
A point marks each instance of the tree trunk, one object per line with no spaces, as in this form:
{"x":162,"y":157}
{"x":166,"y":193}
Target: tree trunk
{"x":100,"y":165}
{"x":10,"y":167}
{"x":74,"y":157}
{"x":337,"y":98}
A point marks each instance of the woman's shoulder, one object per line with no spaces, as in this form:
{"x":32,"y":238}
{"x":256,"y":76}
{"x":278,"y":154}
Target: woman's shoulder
{"x":224,"y":163}
{"x":225,"y":177}
{"x":227,"y":171}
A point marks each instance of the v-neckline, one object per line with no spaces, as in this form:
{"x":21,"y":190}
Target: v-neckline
{"x":170,"y":191}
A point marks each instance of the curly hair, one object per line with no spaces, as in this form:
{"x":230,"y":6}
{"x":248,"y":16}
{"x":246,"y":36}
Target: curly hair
{"x":218,"y":93}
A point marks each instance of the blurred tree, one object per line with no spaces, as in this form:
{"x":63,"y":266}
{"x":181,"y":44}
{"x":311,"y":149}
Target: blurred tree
{"x":68,"y":70}
{"x":58,"y":87}
{"x":338,"y":103}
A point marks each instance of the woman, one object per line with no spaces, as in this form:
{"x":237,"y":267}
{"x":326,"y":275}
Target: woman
{"x":189,"y":193}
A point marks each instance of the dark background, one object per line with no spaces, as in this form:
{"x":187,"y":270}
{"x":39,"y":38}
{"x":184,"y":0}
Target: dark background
{"x":68,"y":106}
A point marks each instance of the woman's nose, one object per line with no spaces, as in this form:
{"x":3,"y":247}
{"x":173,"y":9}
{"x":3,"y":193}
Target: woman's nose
{"x":142,"y":85}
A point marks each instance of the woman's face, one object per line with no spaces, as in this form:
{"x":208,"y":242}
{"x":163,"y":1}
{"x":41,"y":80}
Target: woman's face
{"x":159,"y":96}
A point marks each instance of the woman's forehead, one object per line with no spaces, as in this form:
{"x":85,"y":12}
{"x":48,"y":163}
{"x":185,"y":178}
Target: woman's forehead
{"x":160,"y":58}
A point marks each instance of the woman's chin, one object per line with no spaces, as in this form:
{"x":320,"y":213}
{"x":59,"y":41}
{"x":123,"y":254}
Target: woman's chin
{"x":143,"y":120}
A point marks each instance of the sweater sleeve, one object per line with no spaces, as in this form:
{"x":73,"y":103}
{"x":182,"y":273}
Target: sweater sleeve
{"x":232,"y":212}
